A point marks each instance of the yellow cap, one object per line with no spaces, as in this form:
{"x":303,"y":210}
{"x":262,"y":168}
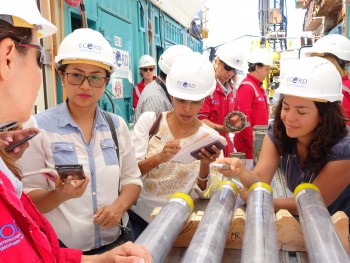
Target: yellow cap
{"x":232,"y":184}
{"x":305,"y":186}
{"x":86,"y":61}
{"x":185,"y":197}
{"x":261,"y":184}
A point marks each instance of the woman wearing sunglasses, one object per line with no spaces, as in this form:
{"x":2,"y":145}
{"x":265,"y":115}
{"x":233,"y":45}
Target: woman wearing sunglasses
{"x":26,"y":235}
{"x":147,"y":67}
{"x":86,"y":214}
{"x":223,"y":100}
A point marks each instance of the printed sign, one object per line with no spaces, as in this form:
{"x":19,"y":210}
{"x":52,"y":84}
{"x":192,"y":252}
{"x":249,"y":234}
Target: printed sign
{"x":122,"y":62}
{"x":118,"y":41}
{"x":117,"y":88}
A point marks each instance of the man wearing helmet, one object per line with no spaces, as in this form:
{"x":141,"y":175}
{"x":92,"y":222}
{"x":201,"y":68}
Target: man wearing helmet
{"x":252,"y":100}
{"x":155,"y":96}
{"x":223,"y":100}
{"x":336,"y":48}
{"x":147,"y":66}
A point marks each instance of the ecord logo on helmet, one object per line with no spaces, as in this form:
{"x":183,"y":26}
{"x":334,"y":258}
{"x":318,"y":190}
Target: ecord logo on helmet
{"x":90,"y":46}
{"x":296,"y":80}
{"x":185,"y":85}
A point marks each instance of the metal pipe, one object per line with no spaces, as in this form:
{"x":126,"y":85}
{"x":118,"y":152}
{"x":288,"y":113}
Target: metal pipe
{"x":321,"y":240}
{"x":208,"y":243}
{"x":259,"y":240}
{"x":161,"y":233}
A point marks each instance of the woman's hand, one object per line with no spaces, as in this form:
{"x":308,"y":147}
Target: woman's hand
{"x":208,"y":157}
{"x":9,"y":137}
{"x":169,"y":150}
{"x":69,"y":188}
{"x":108,"y":216}
{"x":125,"y":253}
{"x":236,"y":165}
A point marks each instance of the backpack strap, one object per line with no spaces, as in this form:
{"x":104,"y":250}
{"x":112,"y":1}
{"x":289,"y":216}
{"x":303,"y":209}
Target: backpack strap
{"x":161,"y":83}
{"x":155,"y":127}
{"x":112,"y":128}
{"x":138,"y":93}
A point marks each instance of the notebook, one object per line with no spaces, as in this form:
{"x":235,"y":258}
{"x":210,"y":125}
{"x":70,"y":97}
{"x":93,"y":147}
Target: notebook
{"x":204,"y":138}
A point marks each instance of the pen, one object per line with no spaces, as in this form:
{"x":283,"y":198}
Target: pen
{"x":161,"y":139}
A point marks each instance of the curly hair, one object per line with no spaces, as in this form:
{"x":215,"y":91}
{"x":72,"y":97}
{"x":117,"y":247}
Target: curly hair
{"x":20,"y":35}
{"x":331,"y":129}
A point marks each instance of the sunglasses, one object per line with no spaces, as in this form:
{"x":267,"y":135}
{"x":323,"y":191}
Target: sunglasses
{"x":147,"y":69}
{"x":41,"y":55}
{"x":228,"y":68}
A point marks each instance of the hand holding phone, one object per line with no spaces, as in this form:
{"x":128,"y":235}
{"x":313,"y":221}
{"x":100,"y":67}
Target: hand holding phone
{"x":74,"y":170}
{"x":8,"y":126}
{"x":49,"y":173}
{"x":208,"y":148}
{"x":20,"y":142}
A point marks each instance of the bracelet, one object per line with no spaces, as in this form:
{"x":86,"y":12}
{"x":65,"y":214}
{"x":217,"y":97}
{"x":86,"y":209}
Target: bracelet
{"x":203,"y":179}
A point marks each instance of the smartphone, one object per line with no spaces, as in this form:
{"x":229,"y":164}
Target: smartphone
{"x":7,"y":126}
{"x":218,"y":144}
{"x":221,"y":166}
{"x":16,"y":144}
{"x":75,"y":170}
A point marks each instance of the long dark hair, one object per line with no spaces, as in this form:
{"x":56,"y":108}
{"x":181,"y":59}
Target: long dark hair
{"x":20,"y":35}
{"x":331,"y":129}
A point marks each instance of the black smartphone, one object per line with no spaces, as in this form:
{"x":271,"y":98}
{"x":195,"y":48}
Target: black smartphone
{"x":218,"y":144}
{"x":16,"y":144}
{"x":75,"y":170}
{"x":7,"y":126}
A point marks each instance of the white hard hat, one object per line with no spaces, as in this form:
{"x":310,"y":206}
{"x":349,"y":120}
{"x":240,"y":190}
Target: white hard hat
{"x":191,"y":77}
{"x":88,"y":46}
{"x":170,"y":55}
{"x":145,"y":61}
{"x":25,"y":13}
{"x":335,"y":44}
{"x":232,"y":58}
{"x":261,"y":55}
{"x":314,"y":78}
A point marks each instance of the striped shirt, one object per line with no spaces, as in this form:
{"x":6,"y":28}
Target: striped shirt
{"x":61,"y":141}
{"x":153,"y":98}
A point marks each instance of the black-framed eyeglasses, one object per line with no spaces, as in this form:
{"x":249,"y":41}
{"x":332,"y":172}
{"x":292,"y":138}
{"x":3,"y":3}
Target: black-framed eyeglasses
{"x":147,"y":69}
{"x":228,"y":68}
{"x":185,"y":102}
{"x":78,"y":79}
{"x":40,"y":58}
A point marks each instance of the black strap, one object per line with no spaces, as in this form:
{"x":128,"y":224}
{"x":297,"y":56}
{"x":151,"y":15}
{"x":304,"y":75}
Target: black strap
{"x":161,"y":83}
{"x":114,"y":135}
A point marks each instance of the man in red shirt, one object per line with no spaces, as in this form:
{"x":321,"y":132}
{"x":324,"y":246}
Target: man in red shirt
{"x":252,"y":100}
{"x":147,"y":67}
{"x":223,"y":100}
